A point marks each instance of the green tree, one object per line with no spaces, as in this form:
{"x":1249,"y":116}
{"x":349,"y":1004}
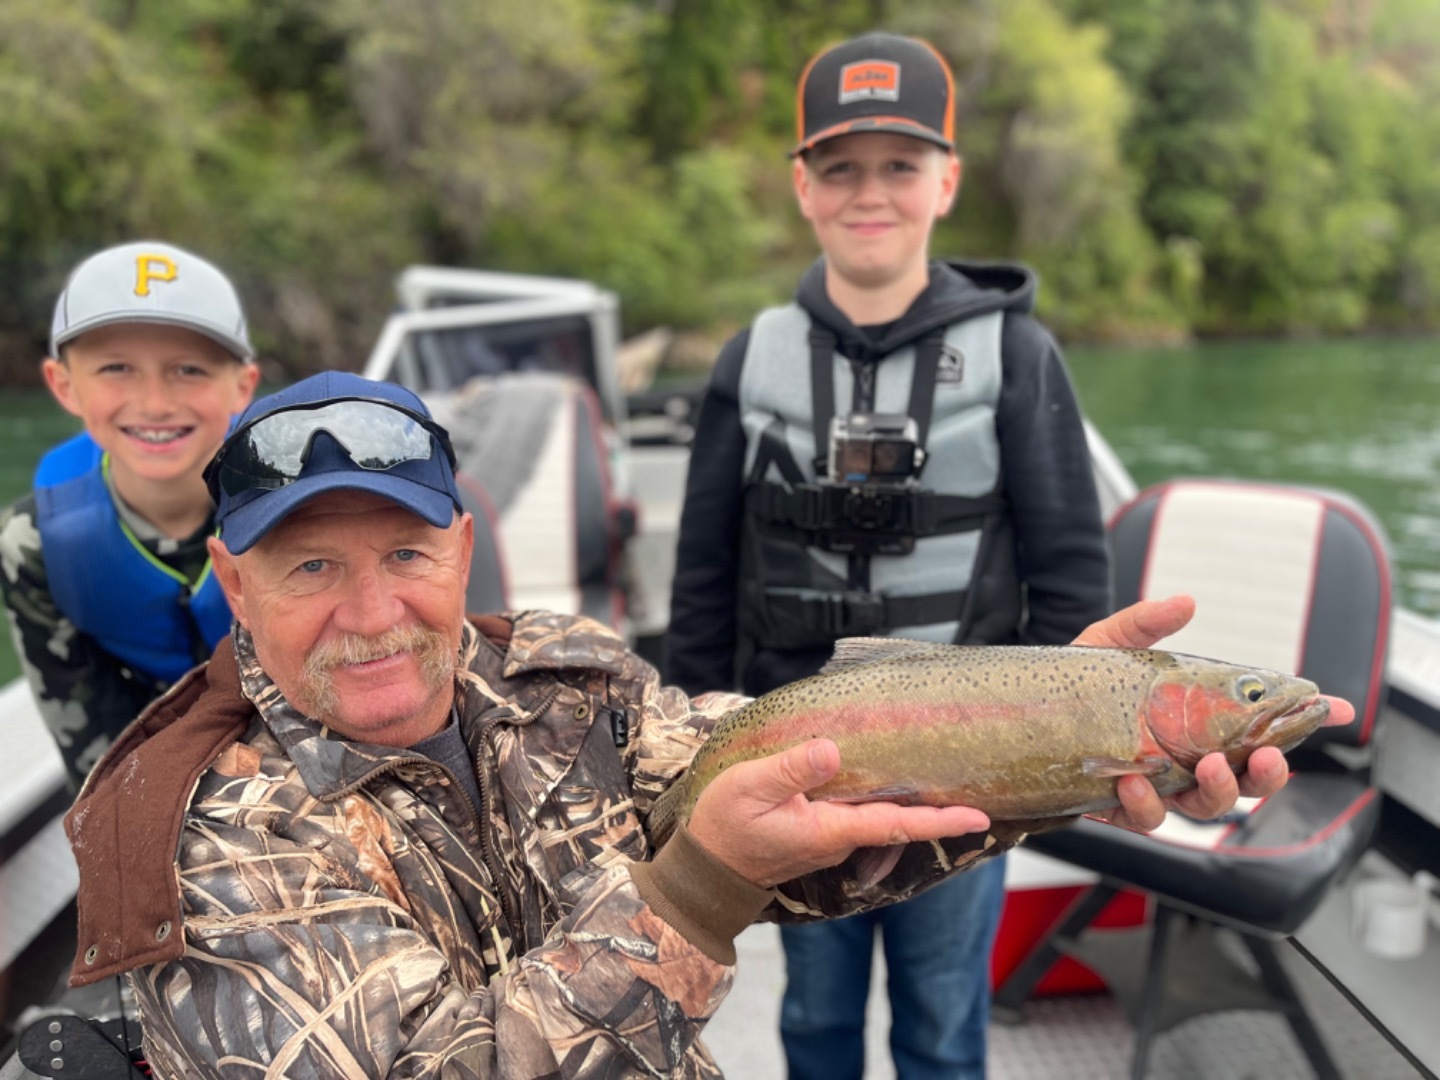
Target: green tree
{"x":1226,"y":165}
{"x":95,"y":147}
{"x":1263,"y":145}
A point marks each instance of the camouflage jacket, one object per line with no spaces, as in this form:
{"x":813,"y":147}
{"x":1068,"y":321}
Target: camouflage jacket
{"x":85,"y":694}
{"x":343,"y":910}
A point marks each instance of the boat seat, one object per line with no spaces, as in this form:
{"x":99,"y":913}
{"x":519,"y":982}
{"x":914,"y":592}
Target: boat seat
{"x":1287,"y":578}
{"x":532,"y":454}
{"x":489,"y":586}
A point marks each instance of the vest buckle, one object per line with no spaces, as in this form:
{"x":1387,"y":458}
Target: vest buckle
{"x":854,"y":614}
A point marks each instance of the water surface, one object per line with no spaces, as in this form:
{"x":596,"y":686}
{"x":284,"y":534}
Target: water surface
{"x":1359,"y":416}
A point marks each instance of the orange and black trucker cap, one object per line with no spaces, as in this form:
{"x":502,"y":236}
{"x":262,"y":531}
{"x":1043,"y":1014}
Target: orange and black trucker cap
{"x":876,"y":82}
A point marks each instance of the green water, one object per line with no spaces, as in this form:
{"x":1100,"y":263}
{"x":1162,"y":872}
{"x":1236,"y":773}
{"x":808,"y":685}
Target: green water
{"x":30,"y":423}
{"x":1363,"y":417}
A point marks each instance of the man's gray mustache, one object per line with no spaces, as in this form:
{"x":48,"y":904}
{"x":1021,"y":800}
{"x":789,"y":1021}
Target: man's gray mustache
{"x":438,"y":660}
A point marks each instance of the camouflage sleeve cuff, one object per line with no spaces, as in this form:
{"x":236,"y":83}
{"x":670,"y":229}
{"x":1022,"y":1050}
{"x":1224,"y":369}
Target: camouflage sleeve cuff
{"x":697,"y":894}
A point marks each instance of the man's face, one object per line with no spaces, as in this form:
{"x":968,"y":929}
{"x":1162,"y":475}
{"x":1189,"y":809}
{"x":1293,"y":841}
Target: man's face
{"x":355,"y":606}
{"x":158,"y":398}
{"x":872,"y":198}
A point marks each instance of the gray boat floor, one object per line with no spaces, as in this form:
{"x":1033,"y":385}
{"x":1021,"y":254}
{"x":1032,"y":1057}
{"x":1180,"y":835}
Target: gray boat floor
{"x":1079,"y":1037}
{"x":1076,"y":1037}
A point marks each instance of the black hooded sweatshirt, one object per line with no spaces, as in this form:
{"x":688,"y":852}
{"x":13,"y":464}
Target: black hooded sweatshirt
{"x":1044,"y":467}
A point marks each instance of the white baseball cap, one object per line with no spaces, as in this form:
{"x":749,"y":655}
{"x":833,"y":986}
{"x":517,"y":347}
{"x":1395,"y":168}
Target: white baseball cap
{"x":151,"y":282}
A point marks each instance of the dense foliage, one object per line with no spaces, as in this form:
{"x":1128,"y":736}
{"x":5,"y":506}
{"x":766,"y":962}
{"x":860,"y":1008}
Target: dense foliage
{"x":1170,"y":166}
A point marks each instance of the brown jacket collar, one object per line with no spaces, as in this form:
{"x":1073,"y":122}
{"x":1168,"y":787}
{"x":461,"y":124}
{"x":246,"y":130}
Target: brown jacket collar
{"x":125,"y":826}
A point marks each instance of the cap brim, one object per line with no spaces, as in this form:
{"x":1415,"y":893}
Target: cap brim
{"x":897,"y":125}
{"x":236,"y":347}
{"x":245,"y":525}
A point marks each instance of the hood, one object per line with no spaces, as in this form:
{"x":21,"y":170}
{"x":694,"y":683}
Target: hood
{"x":125,"y":825}
{"x":957,"y":290}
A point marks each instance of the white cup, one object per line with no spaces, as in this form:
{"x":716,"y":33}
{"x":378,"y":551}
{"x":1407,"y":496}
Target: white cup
{"x":1389,"y":917}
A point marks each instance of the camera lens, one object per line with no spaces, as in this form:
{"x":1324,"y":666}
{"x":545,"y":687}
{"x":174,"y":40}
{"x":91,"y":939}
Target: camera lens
{"x":892,"y":457}
{"x":855,"y":458}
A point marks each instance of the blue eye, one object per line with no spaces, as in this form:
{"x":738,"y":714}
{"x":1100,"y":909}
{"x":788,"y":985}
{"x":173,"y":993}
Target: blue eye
{"x":407,"y":555}
{"x":312,"y":566}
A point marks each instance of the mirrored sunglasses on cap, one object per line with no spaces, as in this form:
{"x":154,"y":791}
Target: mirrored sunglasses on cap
{"x":270,"y":451}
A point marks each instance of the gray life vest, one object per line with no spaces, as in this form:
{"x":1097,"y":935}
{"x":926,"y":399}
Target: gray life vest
{"x":936,"y":562}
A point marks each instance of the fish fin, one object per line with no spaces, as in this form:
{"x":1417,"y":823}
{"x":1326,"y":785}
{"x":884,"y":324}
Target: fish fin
{"x":873,"y":863}
{"x":1031,"y":826}
{"x":905,"y":796}
{"x":1155,"y":765}
{"x":669,"y":811}
{"x":852,"y":652}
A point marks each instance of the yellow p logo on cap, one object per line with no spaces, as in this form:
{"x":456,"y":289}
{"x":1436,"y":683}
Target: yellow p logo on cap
{"x":150,"y":268}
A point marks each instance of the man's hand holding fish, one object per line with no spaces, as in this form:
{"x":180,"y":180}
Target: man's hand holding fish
{"x":778,"y":798}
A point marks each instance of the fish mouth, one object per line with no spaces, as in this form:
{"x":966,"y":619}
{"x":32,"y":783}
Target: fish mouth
{"x":1287,"y":725}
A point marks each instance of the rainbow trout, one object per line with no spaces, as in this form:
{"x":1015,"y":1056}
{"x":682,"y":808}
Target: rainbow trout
{"x":1024,"y":733}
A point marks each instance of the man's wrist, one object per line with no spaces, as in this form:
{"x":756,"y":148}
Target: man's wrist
{"x":697,"y":894}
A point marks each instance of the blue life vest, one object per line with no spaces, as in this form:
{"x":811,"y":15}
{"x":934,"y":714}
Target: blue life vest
{"x":108,"y":584}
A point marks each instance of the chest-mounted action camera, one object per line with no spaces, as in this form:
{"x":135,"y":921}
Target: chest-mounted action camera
{"x":875,"y":450}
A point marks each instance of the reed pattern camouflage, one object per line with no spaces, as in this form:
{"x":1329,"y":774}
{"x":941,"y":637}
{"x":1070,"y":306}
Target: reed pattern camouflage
{"x":85,"y":694}
{"x":349,"y":913}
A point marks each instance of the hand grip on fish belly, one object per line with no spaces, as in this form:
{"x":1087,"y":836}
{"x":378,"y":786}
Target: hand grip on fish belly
{"x":1024,"y":733}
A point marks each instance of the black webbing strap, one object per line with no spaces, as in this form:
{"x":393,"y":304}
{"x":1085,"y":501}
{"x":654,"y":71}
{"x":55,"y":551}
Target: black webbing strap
{"x":822,"y":392}
{"x":773,"y":450}
{"x":817,"y":508}
{"x":859,"y":614}
{"x":922,"y":385}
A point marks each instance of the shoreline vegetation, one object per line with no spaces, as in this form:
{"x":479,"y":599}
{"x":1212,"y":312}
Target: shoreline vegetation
{"x":1176,"y":170}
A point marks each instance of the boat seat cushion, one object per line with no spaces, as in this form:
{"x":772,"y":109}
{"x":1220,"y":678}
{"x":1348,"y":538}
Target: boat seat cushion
{"x":1267,"y":873}
{"x":1287,"y":578}
{"x":532,"y":448}
{"x":489,"y":588}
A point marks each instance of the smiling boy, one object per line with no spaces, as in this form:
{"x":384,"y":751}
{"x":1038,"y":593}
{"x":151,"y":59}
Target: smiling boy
{"x":897,"y":452}
{"x":106,"y":579}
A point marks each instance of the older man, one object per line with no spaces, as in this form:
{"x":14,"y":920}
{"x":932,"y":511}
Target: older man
{"x":374,"y":838}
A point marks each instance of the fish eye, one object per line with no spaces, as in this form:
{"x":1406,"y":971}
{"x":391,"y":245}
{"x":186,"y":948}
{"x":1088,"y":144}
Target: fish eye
{"x":1250,"y":688}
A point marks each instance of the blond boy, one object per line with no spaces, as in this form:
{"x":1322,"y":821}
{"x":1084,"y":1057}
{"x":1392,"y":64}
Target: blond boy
{"x":897,"y":452}
{"x":106,"y":578}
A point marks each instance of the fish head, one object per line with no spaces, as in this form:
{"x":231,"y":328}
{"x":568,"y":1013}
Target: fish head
{"x":1199,"y":706}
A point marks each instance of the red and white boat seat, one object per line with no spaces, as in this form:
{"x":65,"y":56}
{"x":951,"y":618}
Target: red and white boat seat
{"x":533,"y":460}
{"x":1288,"y":578}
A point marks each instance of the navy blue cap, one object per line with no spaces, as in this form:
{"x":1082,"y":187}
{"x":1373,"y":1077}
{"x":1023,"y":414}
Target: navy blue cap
{"x":425,"y":487}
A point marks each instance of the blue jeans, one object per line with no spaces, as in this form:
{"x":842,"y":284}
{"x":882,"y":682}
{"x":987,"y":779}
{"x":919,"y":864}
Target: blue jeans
{"x":937,"y":952}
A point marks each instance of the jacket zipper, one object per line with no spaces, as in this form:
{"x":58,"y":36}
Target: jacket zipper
{"x":487,"y":852}
{"x":394,"y":765}
{"x":481,"y":819}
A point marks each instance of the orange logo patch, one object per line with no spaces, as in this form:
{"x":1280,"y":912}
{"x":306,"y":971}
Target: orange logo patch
{"x":870,"y":79}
